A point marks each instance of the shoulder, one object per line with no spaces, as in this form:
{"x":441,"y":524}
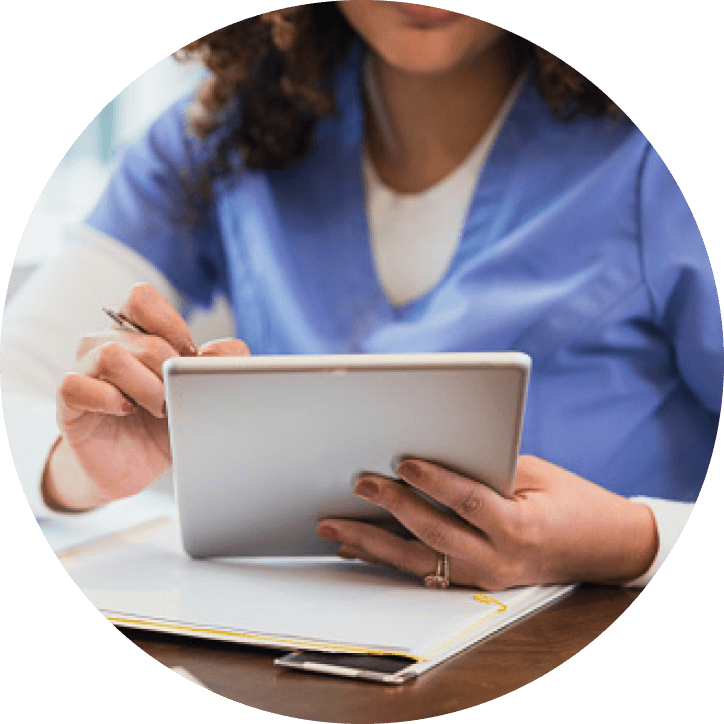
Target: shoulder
{"x":563,"y":153}
{"x":169,"y":145}
{"x":674,"y":256}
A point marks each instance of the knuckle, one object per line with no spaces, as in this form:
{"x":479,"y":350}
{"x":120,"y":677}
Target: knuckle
{"x":524,"y":533}
{"x":139,"y":296}
{"x":533,"y":536}
{"x":109,"y":358}
{"x":530,"y":468}
{"x":498,"y":581}
{"x":155,"y":351}
{"x":359,"y":536}
{"x":399,"y":560}
{"x":469,"y":504}
{"x":395,"y":498}
{"x":389,"y":496}
{"x":68,"y":386}
{"x":349,"y":532}
{"x":499,"y":578}
{"x":435,"y":535}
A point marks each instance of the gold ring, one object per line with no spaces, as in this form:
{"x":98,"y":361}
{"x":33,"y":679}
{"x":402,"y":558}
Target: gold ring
{"x":441,"y":578}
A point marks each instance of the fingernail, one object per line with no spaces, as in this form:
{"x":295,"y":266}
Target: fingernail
{"x":367,"y":488}
{"x":347,"y":554}
{"x":189,"y":349}
{"x":410,"y":471}
{"x":326,"y":531}
{"x":128,"y":406}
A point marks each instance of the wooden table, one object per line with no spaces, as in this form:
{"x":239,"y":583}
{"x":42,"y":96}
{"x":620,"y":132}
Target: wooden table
{"x":497,"y":666}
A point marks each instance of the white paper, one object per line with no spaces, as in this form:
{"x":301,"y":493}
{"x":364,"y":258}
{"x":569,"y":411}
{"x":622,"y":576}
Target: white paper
{"x":67,"y":533}
{"x":322,"y":603}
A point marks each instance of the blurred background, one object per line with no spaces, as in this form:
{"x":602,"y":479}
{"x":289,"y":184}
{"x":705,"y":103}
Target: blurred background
{"x":81,"y":176}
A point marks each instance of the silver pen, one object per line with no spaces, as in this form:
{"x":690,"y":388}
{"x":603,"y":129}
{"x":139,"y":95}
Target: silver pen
{"x":188,"y":349}
{"x":124,"y":322}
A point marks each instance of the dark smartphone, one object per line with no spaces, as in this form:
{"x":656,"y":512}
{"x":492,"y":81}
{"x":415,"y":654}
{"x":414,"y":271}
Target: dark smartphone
{"x":386,"y":669}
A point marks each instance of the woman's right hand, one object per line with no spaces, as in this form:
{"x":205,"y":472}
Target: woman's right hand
{"x":112,"y":409}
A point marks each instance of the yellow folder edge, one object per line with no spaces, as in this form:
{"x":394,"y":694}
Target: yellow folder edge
{"x":67,"y":556}
{"x":297,"y":643}
{"x":481,"y":598}
{"x":181,"y":628}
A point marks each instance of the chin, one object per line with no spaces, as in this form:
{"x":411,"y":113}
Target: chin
{"x":418,"y":39}
{"x":430,"y":55}
{"x":417,"y":50}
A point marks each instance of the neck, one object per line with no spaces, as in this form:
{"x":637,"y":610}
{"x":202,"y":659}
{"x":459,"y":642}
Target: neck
{"x":426,"y":124}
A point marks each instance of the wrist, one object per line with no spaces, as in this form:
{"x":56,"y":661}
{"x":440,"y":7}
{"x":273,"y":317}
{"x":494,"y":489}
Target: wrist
{"x":65,"y":486}
{"x":646,"y":547}
{"x":633,"y":548}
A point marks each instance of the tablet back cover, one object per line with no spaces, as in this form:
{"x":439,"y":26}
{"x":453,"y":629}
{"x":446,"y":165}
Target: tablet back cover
{"x":262,"y":451}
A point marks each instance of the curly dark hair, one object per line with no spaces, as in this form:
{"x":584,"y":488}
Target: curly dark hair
{"x":272,"y":79}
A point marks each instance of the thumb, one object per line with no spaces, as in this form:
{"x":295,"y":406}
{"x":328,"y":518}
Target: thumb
{"x":224,"y":348}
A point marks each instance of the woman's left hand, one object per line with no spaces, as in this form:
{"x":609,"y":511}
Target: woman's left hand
{"x":557,"y":528}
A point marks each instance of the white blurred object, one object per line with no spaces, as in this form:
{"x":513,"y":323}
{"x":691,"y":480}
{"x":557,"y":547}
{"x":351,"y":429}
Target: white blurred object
{"x":68,"y":197}
{"x":150,"y":94}
{"x":79,"y":179}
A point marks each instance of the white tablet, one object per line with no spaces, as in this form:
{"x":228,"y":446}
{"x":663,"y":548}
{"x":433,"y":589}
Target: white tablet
{"x":264,"y":447}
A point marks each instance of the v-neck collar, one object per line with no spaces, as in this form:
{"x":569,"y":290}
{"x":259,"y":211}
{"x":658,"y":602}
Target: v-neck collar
{"x":315,"y":254}
{"x":482,"y":218}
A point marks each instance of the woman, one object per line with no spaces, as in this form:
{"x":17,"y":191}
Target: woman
{"x":379,"y":177}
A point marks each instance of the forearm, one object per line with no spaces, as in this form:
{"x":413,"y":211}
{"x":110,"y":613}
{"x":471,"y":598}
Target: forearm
{"x":41,"y":328}
{"x":637,"y":539}
{"x":628,"y":545}
{"x":601,"y":538}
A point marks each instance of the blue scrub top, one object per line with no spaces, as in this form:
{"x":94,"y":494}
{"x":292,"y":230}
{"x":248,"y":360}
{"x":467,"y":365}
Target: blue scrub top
{"x":578,"y":249}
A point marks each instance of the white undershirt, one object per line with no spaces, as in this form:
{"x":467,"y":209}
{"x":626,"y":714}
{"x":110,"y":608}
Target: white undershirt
{"x":414,"y":235}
